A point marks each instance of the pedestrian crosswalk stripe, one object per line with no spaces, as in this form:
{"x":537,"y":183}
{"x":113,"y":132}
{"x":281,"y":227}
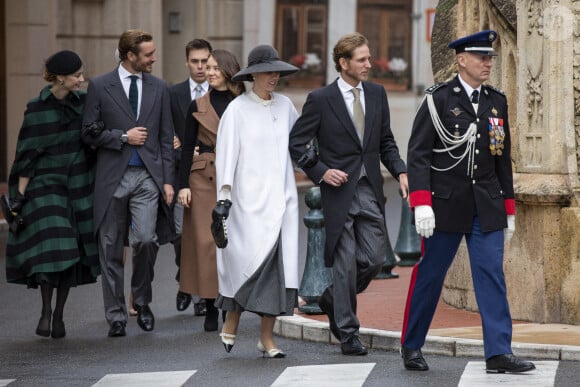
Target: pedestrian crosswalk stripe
{"x":146,"y":379}
{"x":5,"y":382}
{"x":474,"y":375}
{"x":335,"y":375}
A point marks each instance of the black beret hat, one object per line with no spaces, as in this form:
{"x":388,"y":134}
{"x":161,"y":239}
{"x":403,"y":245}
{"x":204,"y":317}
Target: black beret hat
{"x":63,"y":63}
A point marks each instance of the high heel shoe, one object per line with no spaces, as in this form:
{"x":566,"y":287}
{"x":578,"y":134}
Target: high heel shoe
{"x":273,"y":353}
{"x":228,"y":340}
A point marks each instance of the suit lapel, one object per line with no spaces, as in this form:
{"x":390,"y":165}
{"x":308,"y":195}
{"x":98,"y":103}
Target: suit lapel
{"x":184,"y":97}
{"x":484,"y":102}
{"x":337,"y":104}
{"x":371,"y":101}
{"x":148,"y":96}
{"x":115,"y":90}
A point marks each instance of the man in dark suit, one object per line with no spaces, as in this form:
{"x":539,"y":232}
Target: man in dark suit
{"x":196,"y":54}
{"x":127,"y":118}
{"x":460,"y":177}
{"x":349,"y":120}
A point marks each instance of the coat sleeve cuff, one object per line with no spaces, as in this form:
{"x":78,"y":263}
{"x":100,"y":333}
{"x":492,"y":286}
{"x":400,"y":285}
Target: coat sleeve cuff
{"x":420,"y":198}
{"x":510,"y":206}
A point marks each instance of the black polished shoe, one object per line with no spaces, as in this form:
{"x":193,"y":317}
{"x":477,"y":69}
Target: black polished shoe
{"x":145,"y":318}
{"x":353,"y":347}
{"x":413,"y":359}
{"x":507,"y":363}
{"x":199,"y":308}
{"x":43,"y":327}
{"x":117,"y":329}
{"x":326,"y":306}
{"x":182,"y":301}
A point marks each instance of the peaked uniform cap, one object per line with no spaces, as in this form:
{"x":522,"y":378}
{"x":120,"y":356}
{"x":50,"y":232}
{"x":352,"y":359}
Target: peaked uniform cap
{"x":478,"y":43}
{"x":264,"y":59}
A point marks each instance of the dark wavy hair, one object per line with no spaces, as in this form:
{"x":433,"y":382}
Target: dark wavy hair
{"x":130,"y":41}
{"x":229,"y":66}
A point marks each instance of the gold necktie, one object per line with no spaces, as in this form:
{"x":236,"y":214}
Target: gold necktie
{"x":358,"y":114}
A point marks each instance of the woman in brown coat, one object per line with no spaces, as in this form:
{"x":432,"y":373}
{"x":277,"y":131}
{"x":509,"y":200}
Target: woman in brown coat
{"x":197,"y":186}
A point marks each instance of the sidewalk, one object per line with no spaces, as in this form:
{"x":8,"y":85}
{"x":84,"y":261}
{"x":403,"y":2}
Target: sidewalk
{"x":453,"y":332}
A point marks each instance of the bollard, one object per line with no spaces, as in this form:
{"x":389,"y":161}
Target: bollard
{"x":390,"y":262}
{"x":316,"y":277}
{"x":408,"y":246}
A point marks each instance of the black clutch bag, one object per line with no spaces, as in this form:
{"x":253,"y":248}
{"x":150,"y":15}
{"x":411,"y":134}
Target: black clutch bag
{"x":15,"y":222}
{"x":219,"y":229}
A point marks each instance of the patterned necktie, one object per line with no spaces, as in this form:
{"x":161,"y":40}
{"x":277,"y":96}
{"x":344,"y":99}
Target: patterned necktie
{"x":358,"y":114}
{"x":475,"y":96}
{"x":198,"y":91}
{"x":134,"y":94}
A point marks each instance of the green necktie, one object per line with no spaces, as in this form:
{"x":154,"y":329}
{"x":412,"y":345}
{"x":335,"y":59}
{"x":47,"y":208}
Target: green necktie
{"x":358,"y":114}
{"x":134,"y":94}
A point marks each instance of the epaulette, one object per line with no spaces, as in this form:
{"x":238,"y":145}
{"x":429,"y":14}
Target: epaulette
{"x":435,"y":87}
{"x":494,"y":89}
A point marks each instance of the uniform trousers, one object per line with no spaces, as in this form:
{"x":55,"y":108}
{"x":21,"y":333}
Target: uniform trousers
{"x":358,"y":257}
{"x":134,"y":207}
{"x":486,"y":261}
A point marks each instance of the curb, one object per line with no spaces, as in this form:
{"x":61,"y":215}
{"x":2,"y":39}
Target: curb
{"x":300,"y":328}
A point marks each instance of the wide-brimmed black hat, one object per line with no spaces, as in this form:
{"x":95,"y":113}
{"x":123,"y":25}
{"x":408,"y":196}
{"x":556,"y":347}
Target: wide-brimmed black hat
{"x":264,"y":59}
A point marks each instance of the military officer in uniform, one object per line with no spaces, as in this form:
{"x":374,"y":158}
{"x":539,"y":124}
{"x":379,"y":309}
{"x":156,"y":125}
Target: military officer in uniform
{"x":461,"y":184}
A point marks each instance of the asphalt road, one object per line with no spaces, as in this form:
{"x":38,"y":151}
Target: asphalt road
{"x":179,"y":352}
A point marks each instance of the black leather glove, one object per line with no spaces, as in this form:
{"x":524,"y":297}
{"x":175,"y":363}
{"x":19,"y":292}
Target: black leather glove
{"x":221,"y":210}
{"x":219,"y":230}
{"x":309,"y":158}
{"x":17,"y":202}
{"x":94,"y":129}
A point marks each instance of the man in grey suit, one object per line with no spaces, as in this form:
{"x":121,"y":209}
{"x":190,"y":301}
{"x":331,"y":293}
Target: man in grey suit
{"x":349,"y":119}
{"x":196,"y":54}
{"x":127,"y":118}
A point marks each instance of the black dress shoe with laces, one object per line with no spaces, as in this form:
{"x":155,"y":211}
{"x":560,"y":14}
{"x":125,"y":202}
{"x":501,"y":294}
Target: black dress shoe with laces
{"x":507,"y":363}
{"x":413,"y":359}
{"x":145,"y":318}
{"x":182,"y":301}
{"x":353,"y":347}
{"x":326,"y":306}
{"x":117,"y":329}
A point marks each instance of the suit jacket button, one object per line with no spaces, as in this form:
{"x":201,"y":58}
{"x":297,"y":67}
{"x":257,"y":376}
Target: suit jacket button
{"x":473,"y":181}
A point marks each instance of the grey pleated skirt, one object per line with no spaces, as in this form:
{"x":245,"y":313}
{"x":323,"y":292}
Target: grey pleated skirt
{"x":264,"y":293}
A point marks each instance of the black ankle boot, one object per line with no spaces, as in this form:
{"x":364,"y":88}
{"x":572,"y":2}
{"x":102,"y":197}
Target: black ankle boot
{"x":43,"y":327}
{"x":211,"y":317}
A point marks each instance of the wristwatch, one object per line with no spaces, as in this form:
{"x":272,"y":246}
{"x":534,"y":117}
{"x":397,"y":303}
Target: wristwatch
{"x":124,"y":138}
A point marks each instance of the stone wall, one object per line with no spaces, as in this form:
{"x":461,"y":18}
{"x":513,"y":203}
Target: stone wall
{"x":539,"y":70}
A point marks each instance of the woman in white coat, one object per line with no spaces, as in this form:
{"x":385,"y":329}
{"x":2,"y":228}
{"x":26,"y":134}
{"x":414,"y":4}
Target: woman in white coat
{"x":258,"y":269}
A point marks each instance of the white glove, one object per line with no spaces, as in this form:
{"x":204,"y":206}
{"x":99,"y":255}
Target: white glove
{"x":424,"y":221}
{"x":511,"y":228}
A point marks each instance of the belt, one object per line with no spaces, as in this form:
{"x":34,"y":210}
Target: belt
{"x":206,"y":148}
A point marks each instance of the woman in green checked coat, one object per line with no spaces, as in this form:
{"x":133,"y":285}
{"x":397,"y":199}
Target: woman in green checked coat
{"x":51,"y":188}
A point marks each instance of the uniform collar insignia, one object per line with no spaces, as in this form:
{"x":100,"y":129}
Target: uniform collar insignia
{"x":494,"y":111}
{"x":485,"y":91}
{"x":457,"y":89}
{"x":456,"y":111}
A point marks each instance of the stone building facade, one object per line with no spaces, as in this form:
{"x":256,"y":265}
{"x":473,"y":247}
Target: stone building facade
{"x":33,"y":29}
